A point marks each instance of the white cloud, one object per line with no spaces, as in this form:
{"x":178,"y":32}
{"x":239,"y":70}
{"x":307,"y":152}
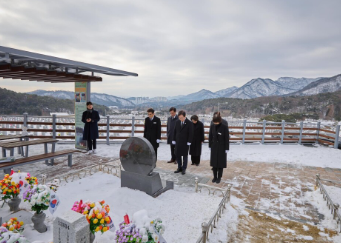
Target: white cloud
{"x":178,"y":47}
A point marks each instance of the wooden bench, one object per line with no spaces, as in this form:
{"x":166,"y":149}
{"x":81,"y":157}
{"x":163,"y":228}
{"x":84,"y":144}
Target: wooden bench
{"x":7,"y":166}
{"x":11,"y":145}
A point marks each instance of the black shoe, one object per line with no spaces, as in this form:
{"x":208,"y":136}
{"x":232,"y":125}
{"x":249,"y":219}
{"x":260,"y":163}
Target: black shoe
{"x":214,"y":180}
{"x":197,"y":164}
{"x":218,"y":181}
{"x":183,"y":172}
{"x":178,"y":170}
{"x":171,"y":161}
{"x":192,"y":164}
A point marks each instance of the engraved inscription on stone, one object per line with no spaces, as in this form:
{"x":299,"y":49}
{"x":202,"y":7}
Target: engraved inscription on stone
{"x":71,"y":227}
{"x":137,"y":155}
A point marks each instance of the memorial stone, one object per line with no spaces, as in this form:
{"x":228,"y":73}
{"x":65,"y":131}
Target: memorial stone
{"x":138,"y":160}
{"x":72,"y":227}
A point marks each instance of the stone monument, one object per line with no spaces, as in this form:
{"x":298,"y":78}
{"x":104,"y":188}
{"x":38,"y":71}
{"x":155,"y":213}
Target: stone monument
{"x":72,"y":227}
{"x":138,"y":159}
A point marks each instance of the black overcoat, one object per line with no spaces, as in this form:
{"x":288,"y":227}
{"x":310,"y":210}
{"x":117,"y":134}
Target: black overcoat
{"x":170,"y":128}
{"x":198,"y":139}
{"x":152,"y":130}
{"x":219,"y":142}
{"x":90,"y":128}
{"x":182,"y":136}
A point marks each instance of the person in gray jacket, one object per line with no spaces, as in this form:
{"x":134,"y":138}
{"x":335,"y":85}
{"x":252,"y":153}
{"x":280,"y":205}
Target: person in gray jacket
{"x":170,"y":130}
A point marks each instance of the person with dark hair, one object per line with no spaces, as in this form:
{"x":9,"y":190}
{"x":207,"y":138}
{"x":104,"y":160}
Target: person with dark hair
{"x":219,"y":144}
{"x":182,"y":139}
{"x":90,"y":133}
{"x":152,"y":129}
{"x":198,"y":139}
{"x":170,"y":130}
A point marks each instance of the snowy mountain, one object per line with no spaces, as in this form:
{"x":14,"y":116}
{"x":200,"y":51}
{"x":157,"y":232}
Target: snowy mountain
{"x":102,"y":99}
{"x":295,"y":83}
{"x":322,"y":85}
{"x":200,"y":95}
{"x":226,"y":92}
{"x":260,"y":87}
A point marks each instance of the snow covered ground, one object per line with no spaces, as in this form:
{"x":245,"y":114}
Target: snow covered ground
{"x":182,"y":212}
{"x":318,"y":156}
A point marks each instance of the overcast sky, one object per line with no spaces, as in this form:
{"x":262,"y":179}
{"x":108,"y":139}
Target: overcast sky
{"x":178,"y":47}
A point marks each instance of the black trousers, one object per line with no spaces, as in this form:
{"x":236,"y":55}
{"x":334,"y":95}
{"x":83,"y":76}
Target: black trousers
{"x":91,"y":143}
{"x":172,"y":147}
{"x":195,"y":159}
{"x":217,"y":173}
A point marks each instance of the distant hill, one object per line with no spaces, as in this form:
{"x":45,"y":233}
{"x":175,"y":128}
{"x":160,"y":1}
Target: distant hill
{"x":323,"y":106}
{"x":322,"y":85}
{"x":13,"y":103}
{"x":98,"y":98}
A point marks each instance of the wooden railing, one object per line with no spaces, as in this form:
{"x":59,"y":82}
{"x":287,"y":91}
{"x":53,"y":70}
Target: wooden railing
{"x":123,"y":128}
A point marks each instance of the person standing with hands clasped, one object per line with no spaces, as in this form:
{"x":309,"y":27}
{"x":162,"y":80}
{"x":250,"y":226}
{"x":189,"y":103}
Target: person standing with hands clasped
{"x":182,"y":139}
{"x":152,"y":129}
{"x":170,"y":131}
{"x":198,"y":139}
{"x":219,"y":143}
{"x":90,"y":117}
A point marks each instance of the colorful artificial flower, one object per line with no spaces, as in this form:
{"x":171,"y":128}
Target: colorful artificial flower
{"x":8,"y":188}
{"x":97,"y":214}
{"x":7,"y":236}
{"x":14,"y":225}
{"x":38,"y":197}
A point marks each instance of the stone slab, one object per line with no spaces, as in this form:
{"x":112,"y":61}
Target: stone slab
{"x":71,"y":227}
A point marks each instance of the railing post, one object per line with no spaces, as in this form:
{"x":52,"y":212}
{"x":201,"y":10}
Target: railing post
{"x":282,"y":135}
{"x":317,"y":179}
{"x":301,"y":131}
{"x":108,"y":130}
{"x":133,"y":126}
{"x":244,"y":128}
{"x":54,"y":119}
{"x":25,"y":119}
{"x":204,"y":232}
{"x":336,"y":141}
{"x":336,"y":209}
{"x":318,"y":132}
{"x":196,"y":184}
{"x":263,"y":135}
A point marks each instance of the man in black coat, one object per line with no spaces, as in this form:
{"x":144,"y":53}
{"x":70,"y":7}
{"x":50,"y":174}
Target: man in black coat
{"x":198,"y":139}
{"x":152,"y":129}
{"x":90,"y":117}
{"x":170,"y":130}
{"x":182,"y":139}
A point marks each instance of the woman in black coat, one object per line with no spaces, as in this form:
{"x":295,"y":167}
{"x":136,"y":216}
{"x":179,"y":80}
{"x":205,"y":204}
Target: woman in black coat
{"x":198,"y":139}
{"x":90,"y":117}
{"x":219,"y":144}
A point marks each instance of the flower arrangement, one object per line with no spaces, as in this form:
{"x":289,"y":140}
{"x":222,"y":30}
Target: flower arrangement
{"x":38,"y":197}
{"x":7,"y":236}
{"x":31,"y":180}
{"x":143,"y":230}
{"x":8,"y":188}
{"x":128,"y":233}
{"x":13,"y":225}
{"x":96,"y":213}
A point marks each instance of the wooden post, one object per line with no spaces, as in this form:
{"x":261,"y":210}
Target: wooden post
{"x":282,"y":135}
{"x":263,"y":135}
{"x":244,"y":128}
{"x":108,"y":130}
{"x":54,"y":118}
{"x":336,"y":141}
{"x":301,"y":131}
{"x":318,"y":132}
{"x":133,"y":126}
{"x":204,"y":232}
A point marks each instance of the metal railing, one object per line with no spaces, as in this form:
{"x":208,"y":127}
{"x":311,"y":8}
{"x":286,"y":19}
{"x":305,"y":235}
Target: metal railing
{"x":334,"y":208}
{"x":122,"y":128}
{"x":212,"y":223}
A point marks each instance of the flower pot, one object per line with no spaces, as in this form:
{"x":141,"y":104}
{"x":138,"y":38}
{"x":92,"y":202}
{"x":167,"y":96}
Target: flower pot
{"x":92,"y":237}
{"x":14,"y":204}
{"x":38,"y":221}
